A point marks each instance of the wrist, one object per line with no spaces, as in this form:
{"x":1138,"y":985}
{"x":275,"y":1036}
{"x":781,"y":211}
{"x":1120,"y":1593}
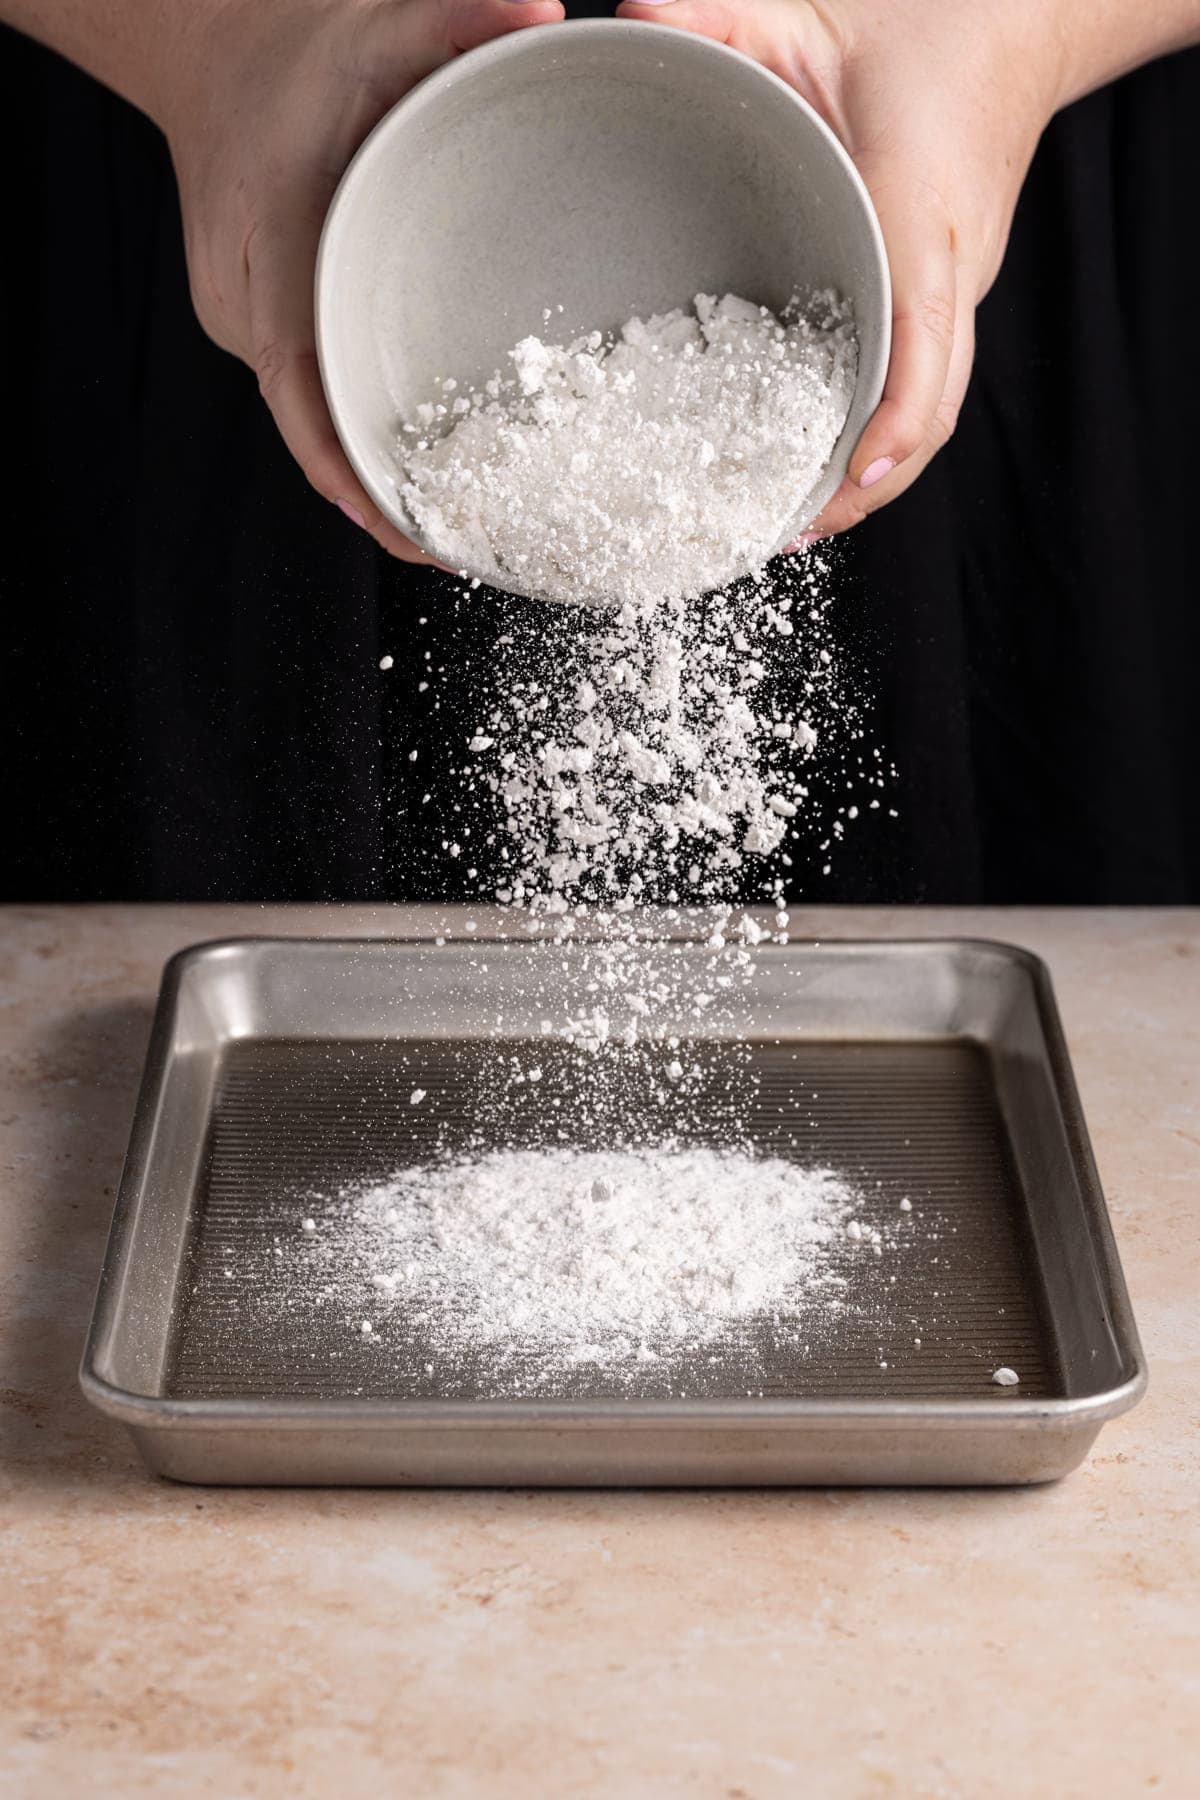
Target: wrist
{"x":1036,"y":56}
{"x":123,"y":43}
{"x":1094,"y":42}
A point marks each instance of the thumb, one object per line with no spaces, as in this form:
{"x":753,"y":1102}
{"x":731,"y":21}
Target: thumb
{"x":710,"y":18}
{"x":401,"y":43}
{"x":469,"y":23}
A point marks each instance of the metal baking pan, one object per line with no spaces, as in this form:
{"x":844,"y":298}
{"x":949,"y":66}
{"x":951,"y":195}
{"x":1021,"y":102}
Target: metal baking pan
{"x":931,"y":1069}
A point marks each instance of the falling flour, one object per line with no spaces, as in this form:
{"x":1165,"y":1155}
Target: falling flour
{"x":661,"y":466}
{"x":654,"y":758}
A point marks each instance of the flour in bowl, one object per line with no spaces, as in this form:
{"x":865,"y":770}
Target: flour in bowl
{"x":662,"y":465}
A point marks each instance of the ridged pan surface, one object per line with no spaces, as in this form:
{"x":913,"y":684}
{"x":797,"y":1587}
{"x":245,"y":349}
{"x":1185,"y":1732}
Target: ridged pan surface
{"x":916,"y":1122}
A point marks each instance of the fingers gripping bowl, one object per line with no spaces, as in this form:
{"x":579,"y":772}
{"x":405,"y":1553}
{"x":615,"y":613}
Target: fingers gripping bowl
{"x":607,"y":168}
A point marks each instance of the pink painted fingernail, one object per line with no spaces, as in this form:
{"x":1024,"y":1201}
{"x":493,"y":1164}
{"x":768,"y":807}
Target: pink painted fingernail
{"x":353,"y":514}
{"x":883,"y":465}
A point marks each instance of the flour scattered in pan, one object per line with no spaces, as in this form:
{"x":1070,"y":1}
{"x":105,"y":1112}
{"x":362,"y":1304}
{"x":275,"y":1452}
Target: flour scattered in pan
{"x":543,"y":1260}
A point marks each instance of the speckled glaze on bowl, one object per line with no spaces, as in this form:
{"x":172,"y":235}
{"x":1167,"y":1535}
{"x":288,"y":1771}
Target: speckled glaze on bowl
{"x":605,"y":166}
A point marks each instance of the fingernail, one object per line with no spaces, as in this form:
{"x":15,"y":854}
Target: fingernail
{"x":883,"y":465}
{"x":353,"y":514}
{"x":803,"y":542}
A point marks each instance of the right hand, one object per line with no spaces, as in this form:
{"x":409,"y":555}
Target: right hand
{"x":263,"y":103}
{"x":940,"y":103}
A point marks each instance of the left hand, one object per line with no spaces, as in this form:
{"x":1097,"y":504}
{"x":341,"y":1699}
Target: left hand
{"x":263,"y":103}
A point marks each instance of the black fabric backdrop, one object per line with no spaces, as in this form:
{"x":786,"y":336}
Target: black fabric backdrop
{"x":193,"y":708}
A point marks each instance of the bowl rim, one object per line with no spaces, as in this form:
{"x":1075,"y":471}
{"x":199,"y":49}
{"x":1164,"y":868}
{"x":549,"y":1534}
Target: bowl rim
{"x":673,"y":40}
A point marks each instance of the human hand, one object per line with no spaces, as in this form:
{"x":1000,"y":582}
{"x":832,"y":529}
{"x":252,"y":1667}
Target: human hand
{"x":941,"y":104}
{"x":263,"y":104}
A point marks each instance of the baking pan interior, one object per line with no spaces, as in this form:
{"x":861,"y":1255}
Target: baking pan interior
{"x":932,"y":1073}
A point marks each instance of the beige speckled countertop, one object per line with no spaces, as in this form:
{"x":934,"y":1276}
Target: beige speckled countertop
{"x":181,"y":1641}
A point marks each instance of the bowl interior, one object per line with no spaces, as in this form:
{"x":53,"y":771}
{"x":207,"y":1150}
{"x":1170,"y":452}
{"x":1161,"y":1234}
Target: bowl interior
{"x":598,"y":168}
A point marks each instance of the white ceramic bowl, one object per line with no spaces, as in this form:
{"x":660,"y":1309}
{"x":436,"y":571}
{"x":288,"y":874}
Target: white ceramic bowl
{"x":606,"y":166}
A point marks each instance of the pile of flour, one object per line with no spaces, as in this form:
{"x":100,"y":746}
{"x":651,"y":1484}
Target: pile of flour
{"x":637,"y":472}
{"x":564,"y":1257}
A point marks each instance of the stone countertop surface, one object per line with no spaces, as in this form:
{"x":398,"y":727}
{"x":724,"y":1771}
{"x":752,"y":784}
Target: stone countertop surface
{"x":740,"y":1645}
